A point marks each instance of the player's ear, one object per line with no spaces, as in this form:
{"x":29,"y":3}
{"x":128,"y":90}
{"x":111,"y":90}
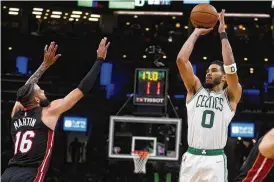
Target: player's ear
{"x":37,"y":99}
{"x":224,"y":78}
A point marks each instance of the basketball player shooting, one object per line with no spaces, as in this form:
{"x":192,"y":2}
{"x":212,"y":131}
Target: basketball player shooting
{"x":34,"y":119}
{"x":210,"y":109}
{"x":260,"y":161}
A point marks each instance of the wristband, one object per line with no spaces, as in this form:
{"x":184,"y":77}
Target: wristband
{"x":230,"y":69}
{"x":223,"y":35}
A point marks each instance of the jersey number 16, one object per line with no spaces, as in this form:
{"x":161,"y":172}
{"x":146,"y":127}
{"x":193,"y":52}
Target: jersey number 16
{"x":23,"y":141}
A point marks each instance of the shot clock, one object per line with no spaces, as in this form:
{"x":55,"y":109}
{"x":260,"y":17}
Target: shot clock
{"x":150,"y":86}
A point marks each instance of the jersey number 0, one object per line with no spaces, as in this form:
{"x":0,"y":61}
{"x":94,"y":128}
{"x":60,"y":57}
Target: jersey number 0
{"x":23,"y":141}
{"x":208,"y":119}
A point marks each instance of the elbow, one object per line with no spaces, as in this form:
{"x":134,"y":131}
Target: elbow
{"x":181,"y":59}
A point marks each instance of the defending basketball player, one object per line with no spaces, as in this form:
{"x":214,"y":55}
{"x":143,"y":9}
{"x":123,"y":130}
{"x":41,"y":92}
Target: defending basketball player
{"x":34,"y":119}
{"x":210,"y":108}
{"x":258,"y":166}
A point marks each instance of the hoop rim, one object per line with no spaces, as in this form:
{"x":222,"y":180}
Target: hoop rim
{"x":138,"y":153}
{"x":140,"y":158}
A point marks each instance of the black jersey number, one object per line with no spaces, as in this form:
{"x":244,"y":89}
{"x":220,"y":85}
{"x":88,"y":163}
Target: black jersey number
{"x":23,"y":141}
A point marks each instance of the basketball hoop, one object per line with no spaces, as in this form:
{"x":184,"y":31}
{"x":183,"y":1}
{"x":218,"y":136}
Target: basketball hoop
{"x":140,"y":158}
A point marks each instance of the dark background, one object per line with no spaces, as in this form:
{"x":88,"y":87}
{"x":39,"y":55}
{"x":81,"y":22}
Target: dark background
{"x":78,"y":41}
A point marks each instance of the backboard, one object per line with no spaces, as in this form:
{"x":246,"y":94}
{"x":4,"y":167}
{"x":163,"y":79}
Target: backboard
{"x":160,"y":136}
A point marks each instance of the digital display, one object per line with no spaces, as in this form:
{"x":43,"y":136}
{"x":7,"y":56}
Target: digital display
{"x":125,"y":4}
{"x":151,"y":75}
{"x":245,"y":130}
{"x":152,"y":2}
{"x":87,"y":3}
{"x":196,"y":1}
{"x":114,"y":4}
{"x":75,"y":124}
{"x":150,"y":87}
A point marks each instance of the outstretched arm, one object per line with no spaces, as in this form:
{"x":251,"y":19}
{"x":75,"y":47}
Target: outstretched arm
{"x":38,"y":73}
{"x":49,"y":59}
{"x":185,"y":68}
{"x":234,"y":89}
{"x":60,"y":106}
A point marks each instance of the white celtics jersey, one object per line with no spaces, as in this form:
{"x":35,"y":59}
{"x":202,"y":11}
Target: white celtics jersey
{"x":209,"y":115}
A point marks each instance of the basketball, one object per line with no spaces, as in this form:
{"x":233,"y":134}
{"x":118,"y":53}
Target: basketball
{"x":204,"y":16}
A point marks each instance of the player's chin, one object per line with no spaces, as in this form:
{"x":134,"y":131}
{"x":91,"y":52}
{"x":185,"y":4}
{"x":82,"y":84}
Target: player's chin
{"x":208,"y":85}
{"x":208,"y":81}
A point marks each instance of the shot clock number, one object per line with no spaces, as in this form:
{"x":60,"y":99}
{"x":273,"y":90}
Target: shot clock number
{"x":150,"y":75}
{"x":148,"y":88}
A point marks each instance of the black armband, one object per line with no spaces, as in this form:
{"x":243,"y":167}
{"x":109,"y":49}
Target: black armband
{"x":223,"y":35}
{"x":88,"y":81}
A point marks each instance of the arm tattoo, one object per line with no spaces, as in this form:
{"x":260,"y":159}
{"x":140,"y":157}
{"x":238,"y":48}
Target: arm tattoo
{"x":37,"y":75}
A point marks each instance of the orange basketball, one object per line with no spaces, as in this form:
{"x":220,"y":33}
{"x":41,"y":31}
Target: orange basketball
{"x":204,"y":15}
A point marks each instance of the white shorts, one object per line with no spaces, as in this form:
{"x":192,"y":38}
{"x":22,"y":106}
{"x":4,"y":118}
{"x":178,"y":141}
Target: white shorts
{"x":203,"y":168}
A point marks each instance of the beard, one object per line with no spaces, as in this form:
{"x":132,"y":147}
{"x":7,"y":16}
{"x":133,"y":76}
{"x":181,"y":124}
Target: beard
{"x":44,"y":102}
{"x":215,"y":82}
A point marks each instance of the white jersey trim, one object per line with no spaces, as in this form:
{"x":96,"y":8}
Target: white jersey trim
{"x":194,"y":95}
{"x":228,"y":102}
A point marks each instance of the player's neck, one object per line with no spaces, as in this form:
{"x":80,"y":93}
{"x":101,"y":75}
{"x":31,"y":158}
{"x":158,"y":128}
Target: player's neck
{"x":29,"y":107}
{"x":217,"y":88}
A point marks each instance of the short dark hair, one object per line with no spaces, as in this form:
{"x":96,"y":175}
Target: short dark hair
{"x":25,"y":93}
{"x":221,"y":64}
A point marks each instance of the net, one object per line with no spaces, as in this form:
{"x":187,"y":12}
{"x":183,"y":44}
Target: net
{"x":140,"y":159}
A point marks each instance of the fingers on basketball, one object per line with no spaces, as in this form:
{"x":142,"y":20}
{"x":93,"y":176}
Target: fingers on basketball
{"x":222,"y":14}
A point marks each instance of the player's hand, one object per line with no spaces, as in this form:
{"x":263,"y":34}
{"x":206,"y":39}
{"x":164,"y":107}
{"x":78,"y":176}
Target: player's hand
{"x":202,"y":31}
{"x":18,"y":106}
{"x":49,"y":54}
{"x":103,"y":48}
{"x":222,"y":21}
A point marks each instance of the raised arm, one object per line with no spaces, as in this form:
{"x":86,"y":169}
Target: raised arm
{"x":49,"y":59}
{"x":192,"y":83}
{"x":60,"y":106}
{"x":234,"y":89}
